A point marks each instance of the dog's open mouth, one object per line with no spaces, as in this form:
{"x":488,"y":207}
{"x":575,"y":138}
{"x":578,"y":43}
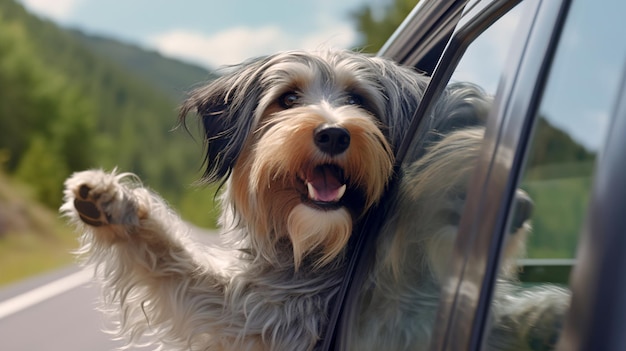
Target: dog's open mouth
{"x":325,"y":185}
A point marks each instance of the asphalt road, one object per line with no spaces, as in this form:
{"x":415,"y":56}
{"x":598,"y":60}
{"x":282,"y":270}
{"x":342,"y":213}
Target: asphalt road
{"x":55,"y":321}
{"x":54,"y":312}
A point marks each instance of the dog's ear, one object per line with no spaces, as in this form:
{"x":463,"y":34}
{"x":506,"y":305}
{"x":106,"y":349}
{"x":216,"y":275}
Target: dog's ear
{"x":402,"y":88}
{"x":226,"y":107}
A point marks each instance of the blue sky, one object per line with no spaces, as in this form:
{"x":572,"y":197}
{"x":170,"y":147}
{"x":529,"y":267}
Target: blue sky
{"x":211,"y":33}
{"x":221,"y":32}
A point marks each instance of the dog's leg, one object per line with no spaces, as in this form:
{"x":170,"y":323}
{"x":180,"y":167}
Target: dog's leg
{"x":153,"y":278}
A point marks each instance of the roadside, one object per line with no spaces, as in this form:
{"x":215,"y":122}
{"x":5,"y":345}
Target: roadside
{"x":57,"y":310}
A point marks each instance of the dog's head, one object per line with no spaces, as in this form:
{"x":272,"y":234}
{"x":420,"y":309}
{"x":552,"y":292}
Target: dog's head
{"x":306,"y":140}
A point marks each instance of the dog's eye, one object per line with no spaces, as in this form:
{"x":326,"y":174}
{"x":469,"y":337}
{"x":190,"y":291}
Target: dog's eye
{"x":289,"y":100}
{"x":353,"y":99}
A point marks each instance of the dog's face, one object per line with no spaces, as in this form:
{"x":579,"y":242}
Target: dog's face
{"x":307,"y":140}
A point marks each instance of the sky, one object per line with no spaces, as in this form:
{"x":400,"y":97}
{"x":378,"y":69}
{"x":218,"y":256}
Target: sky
{"x":211,"y":33}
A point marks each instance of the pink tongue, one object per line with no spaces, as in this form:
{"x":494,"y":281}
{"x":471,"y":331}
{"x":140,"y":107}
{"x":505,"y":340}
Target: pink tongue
{"x":326,"y":182}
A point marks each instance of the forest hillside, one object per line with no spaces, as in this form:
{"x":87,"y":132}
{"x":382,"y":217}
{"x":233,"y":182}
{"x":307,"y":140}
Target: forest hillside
{"x":71,"y":101}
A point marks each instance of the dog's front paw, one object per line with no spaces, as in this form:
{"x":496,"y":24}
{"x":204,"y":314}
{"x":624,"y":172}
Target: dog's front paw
{"x":98,"y":198}
{"x":88,"y":208}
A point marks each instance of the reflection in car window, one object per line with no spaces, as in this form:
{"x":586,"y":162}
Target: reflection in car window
{"x":399,"y":300}
{"x":570,"y":127}
{"x":573,"y":122}
{"x":484,"y":60}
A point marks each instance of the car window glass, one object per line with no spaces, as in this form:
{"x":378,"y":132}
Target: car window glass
{"x":569,"y":130}
{"x":398,"y":301}
{"x":573,"y":121}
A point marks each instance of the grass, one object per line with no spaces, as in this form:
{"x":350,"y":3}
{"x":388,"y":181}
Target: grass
{"x":33,"y":239}
{"x":198,"y":205}
{"x":560,"y":208}
{"x":26,"y":254}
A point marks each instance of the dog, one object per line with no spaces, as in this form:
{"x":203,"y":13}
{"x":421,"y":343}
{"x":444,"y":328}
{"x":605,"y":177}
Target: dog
{"x":303,"y":144}
{"x":399,"y":300}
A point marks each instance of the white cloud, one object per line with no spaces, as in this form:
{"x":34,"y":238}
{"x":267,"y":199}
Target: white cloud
{"x":234,"y":45}
{"x":341,"y":36}
{"x":58,"y":9}
{"x":226,"y":47}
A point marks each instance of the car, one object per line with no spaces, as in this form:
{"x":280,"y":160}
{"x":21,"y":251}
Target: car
{"x":554,"y":72}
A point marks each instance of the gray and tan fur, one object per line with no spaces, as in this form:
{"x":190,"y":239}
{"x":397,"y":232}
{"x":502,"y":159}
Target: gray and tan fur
{"x":305,"y":142}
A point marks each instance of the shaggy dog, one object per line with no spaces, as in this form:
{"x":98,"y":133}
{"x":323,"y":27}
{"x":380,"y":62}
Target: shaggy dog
{"x":305,"y":143}
{"x":399,"y":301}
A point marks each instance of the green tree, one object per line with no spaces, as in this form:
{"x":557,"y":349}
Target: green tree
{"x":44,"y":170}
{"x":376,"y":25}
{"x":67,"y":98}
{"x":46,"y":126}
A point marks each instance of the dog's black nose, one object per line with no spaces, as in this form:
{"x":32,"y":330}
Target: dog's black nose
{"x":523,"y":207}
{"x":331,"y":139}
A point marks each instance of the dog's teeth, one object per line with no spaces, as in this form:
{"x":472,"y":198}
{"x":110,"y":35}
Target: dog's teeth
{"x":342,"y":191}
{"x":311,"y":189}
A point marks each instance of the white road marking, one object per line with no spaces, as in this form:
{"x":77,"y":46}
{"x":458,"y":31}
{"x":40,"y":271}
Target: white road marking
{"x":42,"y":293}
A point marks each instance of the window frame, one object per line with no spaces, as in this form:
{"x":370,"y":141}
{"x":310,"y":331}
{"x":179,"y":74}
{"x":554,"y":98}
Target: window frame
{"x":422,"y":36}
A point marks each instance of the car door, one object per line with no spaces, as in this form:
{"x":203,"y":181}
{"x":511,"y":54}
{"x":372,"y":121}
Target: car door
{"x":487,"y":280}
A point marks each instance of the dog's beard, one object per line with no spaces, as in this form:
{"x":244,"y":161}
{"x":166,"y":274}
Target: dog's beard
{"x":309,"y":229}
{"x":286,"y":186}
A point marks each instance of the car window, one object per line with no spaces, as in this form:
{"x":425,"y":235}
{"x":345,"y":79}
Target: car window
{"x":398,"y":300}
{"x":570,"y":127}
